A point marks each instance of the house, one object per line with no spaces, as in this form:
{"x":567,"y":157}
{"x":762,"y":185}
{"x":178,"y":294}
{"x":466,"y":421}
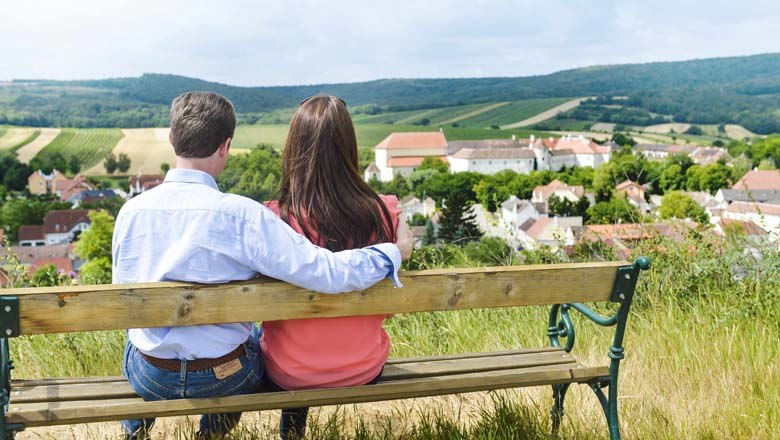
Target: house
{"x":144,"y":182}
{"x":707,"y":155}
{"x":727,"y":196}
{"x":411,"y":205}
{"x":759,"y":179}
{"x":553,"y":232}
{"x":662,"y":151}
{"x":91,"y":196}
{"x":402,"y":153}
{"x":40,"y":183}
{"x":764,"y":215}
{"x":585,"y":153}
{"x":31,"y":235}
{"x":635,"y":194}
{"x":711,"y":205}
{"x":542,"y":194}
{"x":518,"y":215}
{"x":62,"y":226}
{"x":371,"y":172}
{"x":747,"y":227}
{"x":32,"y":258}
{"x":68,"y":188}
{"x":493,"y":160}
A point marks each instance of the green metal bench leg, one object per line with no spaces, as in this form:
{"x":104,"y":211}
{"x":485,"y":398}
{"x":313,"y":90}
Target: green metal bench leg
{"x":559,"y":395}
{"x":7,"y":430}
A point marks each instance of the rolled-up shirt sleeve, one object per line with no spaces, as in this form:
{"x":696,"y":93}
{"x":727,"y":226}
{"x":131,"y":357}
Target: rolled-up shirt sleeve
{"x":276,"y":250}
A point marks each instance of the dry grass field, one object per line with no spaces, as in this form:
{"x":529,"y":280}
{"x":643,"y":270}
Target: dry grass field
{"x":739,"y":132}
{"x":667,"y":128}
{"x":14,"y":136}
{"x":27,"y":152}
{"x":147,"y":149}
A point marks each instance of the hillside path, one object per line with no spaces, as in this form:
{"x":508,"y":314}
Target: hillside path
{"x":545,"y":115}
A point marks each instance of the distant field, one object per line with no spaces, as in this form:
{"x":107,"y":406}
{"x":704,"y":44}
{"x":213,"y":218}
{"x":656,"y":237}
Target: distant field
{"x":248,"y":136}
{"x":667,"y":128}
{"x":13,"y":138}
{"x":546,"y":115}
{"x":90,"y":145}
{"x":147,"y":149}
{"x":435,"y":116}
{"x":739,"y":132}
{"x":607,"y":127}
{"x":565,"y":125}
{"x":512,"y":112}
{"x":27,"y":152}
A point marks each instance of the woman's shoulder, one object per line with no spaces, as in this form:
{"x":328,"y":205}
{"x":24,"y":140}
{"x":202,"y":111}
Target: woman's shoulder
{"x":273,"y":205}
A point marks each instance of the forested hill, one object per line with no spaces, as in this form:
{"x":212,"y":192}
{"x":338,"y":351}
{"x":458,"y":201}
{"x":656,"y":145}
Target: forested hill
{"x":740,"y":90}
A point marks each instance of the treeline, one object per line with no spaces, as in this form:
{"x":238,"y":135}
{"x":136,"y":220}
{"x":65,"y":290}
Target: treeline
{"x":740,"y":90}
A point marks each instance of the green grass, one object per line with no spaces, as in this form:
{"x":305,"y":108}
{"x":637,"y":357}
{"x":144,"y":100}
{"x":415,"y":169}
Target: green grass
{"x":3,"y":129}
{"x":702,"y":359}
{"x":90,"y":145}
{"x":512,"y":112}
{"x":554,"y":124}
{"x":435,"y":116}
{"x":249,"y":136}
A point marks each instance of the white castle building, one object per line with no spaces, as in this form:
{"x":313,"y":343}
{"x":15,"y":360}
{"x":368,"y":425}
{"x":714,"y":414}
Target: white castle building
{"x":402,"y":153}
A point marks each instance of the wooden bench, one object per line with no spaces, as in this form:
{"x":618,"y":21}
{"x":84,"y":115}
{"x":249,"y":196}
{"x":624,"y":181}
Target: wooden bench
{"x":31,"y":403}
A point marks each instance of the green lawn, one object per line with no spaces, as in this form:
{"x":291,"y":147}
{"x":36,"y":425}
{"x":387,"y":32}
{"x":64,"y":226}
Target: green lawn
{"x":90,"y":145}
{"x":512,"y":112}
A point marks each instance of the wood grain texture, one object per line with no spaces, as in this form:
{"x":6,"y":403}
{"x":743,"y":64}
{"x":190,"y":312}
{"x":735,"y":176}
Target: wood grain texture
{"x":57,"y":391}
{"x":58,"y":413}
{"x":110,"y":307}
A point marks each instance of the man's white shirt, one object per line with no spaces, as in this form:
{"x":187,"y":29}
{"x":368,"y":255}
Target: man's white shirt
{"x":187,"y":230}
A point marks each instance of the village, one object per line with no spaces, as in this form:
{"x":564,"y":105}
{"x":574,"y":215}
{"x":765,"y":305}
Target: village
{"x":750,"y":205}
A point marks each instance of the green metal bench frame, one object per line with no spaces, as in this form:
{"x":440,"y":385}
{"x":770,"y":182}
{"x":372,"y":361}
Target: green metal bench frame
{"x":560,"y":325}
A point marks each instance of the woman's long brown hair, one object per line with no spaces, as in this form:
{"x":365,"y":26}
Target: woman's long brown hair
{"x":321,"y":187}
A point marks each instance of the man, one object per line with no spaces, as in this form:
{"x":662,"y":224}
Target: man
{"x":187,"y":230}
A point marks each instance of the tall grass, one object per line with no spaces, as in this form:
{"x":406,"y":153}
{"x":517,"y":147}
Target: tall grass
{"x":702,"y":358}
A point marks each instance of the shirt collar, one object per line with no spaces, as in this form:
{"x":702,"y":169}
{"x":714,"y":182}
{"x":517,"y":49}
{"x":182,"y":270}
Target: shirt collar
{"x":186,"y":175}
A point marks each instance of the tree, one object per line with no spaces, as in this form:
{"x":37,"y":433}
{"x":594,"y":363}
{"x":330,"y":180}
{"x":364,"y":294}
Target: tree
{"x":255,"y":175}
{"x":164,"y":167}
{"x":398,"y":186}
{"x":429,"y":237}
{"x":458,"y":222}
{"x":110,"y":163}
{"x":123,"y":163}
{"x":74,"y":165}
{"x":48,"y":162}
{"x":678,"y":205}
{"x":20,"y":212}
{"x":672,"y":178}
{"x":48,"y":276}
{"x":563,"y":207}
{"x":94,"y":246}
{"x":13,"y":174}
{"x":617,"y":209}
{"x":418,"y":220}
{"x":434,"y":163}
{"x":694,"y":130}
{"x":623,"y":139}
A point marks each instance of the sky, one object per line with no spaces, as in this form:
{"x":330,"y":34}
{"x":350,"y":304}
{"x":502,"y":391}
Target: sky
{"x":289,"y":42}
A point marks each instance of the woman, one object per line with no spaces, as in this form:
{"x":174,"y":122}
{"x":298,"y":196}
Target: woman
{"x":323,"y":197}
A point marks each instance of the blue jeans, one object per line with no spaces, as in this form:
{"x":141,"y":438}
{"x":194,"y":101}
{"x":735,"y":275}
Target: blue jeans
{"x":152,"y":383}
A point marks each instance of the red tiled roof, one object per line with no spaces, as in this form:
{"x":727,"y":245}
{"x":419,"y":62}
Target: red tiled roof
{"x":63,"y":220}
{"x":626,"y":231}
{"x":31,"y":233}
{"x":580,"y":146}
{"x":627,"y":184}
{"x":413,"y":140}
{"x":409,"y":161}
{"x":753,"y":208}
{"x":29,"y":254}
{"x":747,"y":226}
{"x":759,"y":179}
{"x":61,"y":263}
{"x":546,"y":190}
{"x":538,"y":227}
{"x":146,"y":179}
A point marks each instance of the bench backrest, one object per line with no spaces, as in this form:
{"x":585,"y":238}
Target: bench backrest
{"x":109,"y":307}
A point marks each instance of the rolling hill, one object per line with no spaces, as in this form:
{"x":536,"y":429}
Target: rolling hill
{"x":736,"y":90}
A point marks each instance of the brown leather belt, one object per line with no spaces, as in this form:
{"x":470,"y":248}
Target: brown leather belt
{"x":195,"y":364}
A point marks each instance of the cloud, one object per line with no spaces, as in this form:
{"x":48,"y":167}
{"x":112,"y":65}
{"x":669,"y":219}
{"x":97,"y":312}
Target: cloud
{"x":307,"y":41}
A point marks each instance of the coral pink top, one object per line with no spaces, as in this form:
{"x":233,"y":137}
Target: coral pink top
{"x":326,"y":352}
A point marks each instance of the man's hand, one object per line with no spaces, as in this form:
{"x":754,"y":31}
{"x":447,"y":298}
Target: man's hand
{"x":404,"y":240}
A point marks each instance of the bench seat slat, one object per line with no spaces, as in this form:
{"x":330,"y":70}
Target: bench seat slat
{"x":57,"y":391}
{"x":59,"y":413}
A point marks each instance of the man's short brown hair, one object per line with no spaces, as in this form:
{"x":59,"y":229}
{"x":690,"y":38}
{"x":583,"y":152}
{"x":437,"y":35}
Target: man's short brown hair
{"x":200,"y":123}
